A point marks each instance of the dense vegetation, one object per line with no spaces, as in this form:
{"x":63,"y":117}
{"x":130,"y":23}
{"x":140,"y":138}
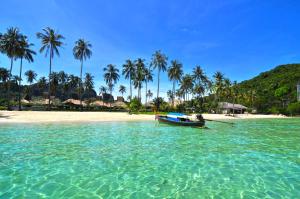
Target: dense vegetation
{"x":272,"y":91}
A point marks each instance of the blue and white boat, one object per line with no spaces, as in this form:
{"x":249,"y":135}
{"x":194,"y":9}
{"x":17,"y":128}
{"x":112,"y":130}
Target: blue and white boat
{"x":181,"y":119}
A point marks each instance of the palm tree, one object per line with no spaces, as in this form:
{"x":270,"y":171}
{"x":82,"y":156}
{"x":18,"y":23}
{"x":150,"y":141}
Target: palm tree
{"x":24,"y":53}
{"x":186,"y":85}
{"x":31,"y":76}
{"x":218,"y":84}
{"x":139,"y":77}
{"x":175,"y":73}
{"x":4,"y":75}
{"x":149,"y":94}
{"x":159,"y":61}
{"x":129,"y":72}
{"x":82,"y":51}
{"x":42,"y":83}
{"x":54,"y":80}
{"x":111,"y":76}
{"x":148,"y":77}
{"x":103,"y":91}
{"x":122,"y":90}
{"x":170,"y":95}
{"x":199,"y":76}
{"x":10,"y":45}
{"x":88,"y":82}
{"x":51,"y":41}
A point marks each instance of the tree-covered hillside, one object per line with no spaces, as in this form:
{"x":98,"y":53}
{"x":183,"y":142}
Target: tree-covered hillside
{"x":274,"y":90}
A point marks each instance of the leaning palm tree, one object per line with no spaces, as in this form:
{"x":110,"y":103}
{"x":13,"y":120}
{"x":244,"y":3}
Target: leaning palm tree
{"x":122,"y":90}
{"x":82,"y":51}
{"x":51,"y":42}
{"x":128,"y":72}
{"x":111,"y":76}
{"x":148,"y":77}
{"x":159,"y":61}
{"x":175,"y":73}
{"x":24,"y":53}
{"x":9,"y":45}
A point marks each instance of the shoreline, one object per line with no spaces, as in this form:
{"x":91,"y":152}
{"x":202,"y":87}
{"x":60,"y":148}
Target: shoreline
{"x":67,"y":117}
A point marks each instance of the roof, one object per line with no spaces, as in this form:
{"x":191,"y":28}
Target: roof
{"x":227,"y":105}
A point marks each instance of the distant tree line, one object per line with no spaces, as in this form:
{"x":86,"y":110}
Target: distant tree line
{"x":195,"y":90}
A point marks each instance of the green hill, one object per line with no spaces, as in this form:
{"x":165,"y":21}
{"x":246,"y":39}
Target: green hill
{"x":274,"y":90}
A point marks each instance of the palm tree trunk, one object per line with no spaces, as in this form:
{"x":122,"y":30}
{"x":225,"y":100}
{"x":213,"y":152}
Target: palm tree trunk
{"x":130,"y":87}
{"x":9,"y":82}
{"x":158,"y":83}
{"x":49,"y":86}
{"x":146,"y":94}
{"x":173,"y":98}
{"x":80,"y":85}
{"x":20,"y":81}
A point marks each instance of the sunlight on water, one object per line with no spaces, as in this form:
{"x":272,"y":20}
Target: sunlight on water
{"x":253,"y":159}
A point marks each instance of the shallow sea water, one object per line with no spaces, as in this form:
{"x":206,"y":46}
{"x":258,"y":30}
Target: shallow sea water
{"x":252,"y":159}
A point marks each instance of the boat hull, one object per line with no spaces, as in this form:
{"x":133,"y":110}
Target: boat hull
{"x":167,"y":120}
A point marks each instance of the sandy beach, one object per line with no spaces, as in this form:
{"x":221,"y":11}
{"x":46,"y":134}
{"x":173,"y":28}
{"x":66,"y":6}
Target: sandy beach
{"x":43,"y":116}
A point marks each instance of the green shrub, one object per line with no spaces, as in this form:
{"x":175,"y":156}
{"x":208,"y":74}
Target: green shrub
{"x":294,"y":108}
{"x":273,"y":110}
{"x":2,"y":108}
{"x":135,"y":105}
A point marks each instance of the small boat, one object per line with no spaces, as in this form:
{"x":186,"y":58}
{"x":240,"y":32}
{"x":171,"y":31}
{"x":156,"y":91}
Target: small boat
{"x":181,"y":120}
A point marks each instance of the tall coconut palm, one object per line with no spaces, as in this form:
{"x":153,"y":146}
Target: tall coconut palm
{"x":54,"y":80}
{"x":199,"y":76}
{"x":122,"y":90}
{"x":111,"y":76}
{"x":175,"y":73}
{"x":129,"y":71}
{"x":148,"y":77}
{"x":24,"y":53}
{"x":139,"y":77}
{"x":159,"y":61}
{"x":82,"y":51}
{"x":218,"y":84}
{"x":51,"y":42}
{"x":9,"y":45}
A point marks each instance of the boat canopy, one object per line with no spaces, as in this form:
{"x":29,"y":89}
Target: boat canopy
{"x":177,"y":115}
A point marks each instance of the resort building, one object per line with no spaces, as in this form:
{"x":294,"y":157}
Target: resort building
{"x":226,"y":108}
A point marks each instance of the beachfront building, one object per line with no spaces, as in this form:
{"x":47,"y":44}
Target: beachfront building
{"x":227,"y":108}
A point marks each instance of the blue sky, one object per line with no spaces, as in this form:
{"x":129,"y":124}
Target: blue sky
{"x":240,"y":38}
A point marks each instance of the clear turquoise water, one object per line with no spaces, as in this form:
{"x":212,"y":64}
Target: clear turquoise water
{"x":253,"y":159}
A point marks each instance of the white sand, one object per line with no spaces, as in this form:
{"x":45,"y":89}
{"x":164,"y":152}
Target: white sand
{"x":44,"y":116}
